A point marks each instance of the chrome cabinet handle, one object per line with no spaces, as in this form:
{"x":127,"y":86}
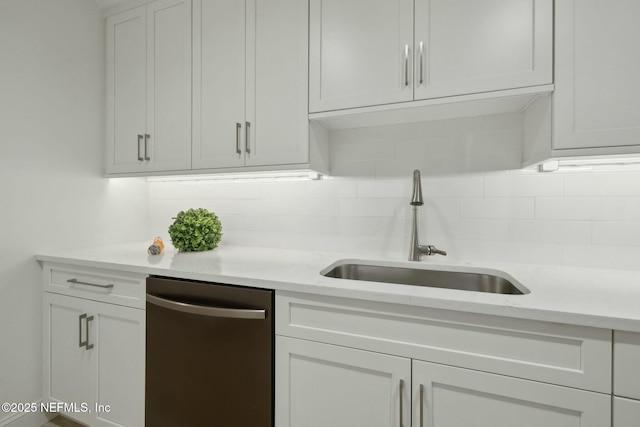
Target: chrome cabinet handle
{"x":203,"y":310}
{"x":401,"y":401}
{"x":421,"y":405}
{"x":420,"y":63}
{"x":406,"y":65}
{"x":238,"y":128}
{"x":146,"y":146}
{"x":80,"y":319}
{"x":86,"y":319}
{"x":247,"y":132}
{"x":139,"y":143}
{"x":77,"y":282}
{"x":88,"y":346}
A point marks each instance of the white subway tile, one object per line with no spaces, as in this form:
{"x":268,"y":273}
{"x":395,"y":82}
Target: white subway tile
{"x":367,"y":207}
{"x":602,"y":256}
{"x":580,"y":208}
{"x":603,"y":184}
{"x":382,"y":246}
{"x":435,"y":146}
{"x":453,"y":186}
{"x":549,"y":231}
{"x":522,"y":185}
{"x":523,"y":252}
{"x":348,"y":169}
{"x":518,"y":208}
{"x":385,"y":188}
{"x":357,"y":226}
{"x":331,"y":188}
{"x":388,"y":132}
{"x":498,"y":141}
{"x":632,"y":208}
{"x":464,"y":228}
{"x":400,"y":168}
{"x":366,"y":150}
{"x":458,"y":249}
{"x":616,"y":233}
{"x":284,"y":190}
{"x":315,"y":207}
{"x":442,"y":207}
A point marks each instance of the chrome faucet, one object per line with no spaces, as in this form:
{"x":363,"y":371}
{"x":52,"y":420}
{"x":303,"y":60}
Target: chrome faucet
{"x":418,"y":250}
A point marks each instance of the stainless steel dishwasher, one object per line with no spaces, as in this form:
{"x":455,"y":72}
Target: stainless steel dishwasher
{"x":210,"y":354}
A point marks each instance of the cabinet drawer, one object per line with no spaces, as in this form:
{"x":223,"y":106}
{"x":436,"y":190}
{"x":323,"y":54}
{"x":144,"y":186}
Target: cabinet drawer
{"x":115,"y":287}
{"x":555,"y":353}
{"x":626,"y":358}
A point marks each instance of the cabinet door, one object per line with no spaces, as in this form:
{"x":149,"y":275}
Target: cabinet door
{"x":277,"y":82}
{"x":596,"y":102}
{"x":126,"y":76}
{"x":626,"y":412}
{"x":465,"y":47}
{"x":109,"y":372}
{"x":119,"y":365}
{"x":320,"y":385}
{"x":67,"y":365}
{"x":454,"y":397}
{"x":218,"y":83}
{"x":359,"y":53}
{"x":168,"y":146}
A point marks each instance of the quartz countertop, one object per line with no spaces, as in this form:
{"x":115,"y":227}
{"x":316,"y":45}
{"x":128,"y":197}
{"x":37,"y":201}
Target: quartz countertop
{"x":581,"y":296}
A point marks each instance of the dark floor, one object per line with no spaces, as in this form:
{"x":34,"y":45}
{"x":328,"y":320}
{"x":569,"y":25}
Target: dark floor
{"x":61,"y":421}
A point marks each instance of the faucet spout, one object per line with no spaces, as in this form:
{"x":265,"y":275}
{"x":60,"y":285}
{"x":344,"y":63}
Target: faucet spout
{"x":417,"y":250}
{"x":416,"y":199}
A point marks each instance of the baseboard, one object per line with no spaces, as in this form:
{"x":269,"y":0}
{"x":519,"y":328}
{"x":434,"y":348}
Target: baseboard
{"x":27,"y":419}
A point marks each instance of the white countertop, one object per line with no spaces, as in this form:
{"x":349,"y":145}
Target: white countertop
{"x":581,"y":296}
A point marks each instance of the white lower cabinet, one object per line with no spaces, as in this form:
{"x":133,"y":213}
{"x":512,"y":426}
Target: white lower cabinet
{"x":319,"y":385}
{"x":322,"y":385}
{"x":93,"y":356}
{"x":446,"y":396}
{"x":626,"y":412}
{"x":342,"y":362}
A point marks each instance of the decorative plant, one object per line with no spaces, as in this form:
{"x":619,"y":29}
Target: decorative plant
{"x":195,"y":230}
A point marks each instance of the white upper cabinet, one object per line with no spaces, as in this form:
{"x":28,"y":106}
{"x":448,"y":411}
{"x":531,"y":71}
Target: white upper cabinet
{"x":365,"y":53}
{"x":597,"y":98}
{"x":359,"y":53}
{"x":219,"y":83}
{"x":149,"y":88}
{"x":250,"y":83}
{"x":463,"y":47}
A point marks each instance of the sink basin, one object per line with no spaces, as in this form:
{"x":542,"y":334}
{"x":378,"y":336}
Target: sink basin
{"x":478,"y":280}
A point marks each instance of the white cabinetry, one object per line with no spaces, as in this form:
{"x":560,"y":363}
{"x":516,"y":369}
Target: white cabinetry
{"x":366,"y":53}
{"x":94,"y":351}
{"x":595,"y":107}
{"x":446,"y":396}
{"x":626,"y":379}
{"x":334,"y":357}
{"x":250,"y":84}
{"x":322,"y":385}
{"x":148,"y":81}
{"x":626,"y":412}
{"x":597,"y":99}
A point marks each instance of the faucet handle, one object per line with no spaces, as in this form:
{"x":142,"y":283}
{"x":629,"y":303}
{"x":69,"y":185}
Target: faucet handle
{"x":432,"y":250}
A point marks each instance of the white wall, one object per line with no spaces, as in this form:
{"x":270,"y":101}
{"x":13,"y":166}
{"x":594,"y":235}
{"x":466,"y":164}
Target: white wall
{"x":51,"y":160}
{"x":478,"y":204}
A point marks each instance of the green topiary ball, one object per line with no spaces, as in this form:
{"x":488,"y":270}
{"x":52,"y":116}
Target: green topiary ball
{"x":195,"y":230}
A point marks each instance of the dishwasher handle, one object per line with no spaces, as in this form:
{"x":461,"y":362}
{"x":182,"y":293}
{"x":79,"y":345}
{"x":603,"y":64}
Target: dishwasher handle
{"x":203,"y":310}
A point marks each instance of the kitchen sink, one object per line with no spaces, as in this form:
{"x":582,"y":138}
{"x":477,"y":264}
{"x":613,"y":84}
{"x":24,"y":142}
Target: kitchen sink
{"x":463,"y":278}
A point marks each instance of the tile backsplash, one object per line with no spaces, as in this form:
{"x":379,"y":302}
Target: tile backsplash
{"x":478,"y":204}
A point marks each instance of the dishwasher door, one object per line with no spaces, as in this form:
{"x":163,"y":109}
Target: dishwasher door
{"x":210,"y":355}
